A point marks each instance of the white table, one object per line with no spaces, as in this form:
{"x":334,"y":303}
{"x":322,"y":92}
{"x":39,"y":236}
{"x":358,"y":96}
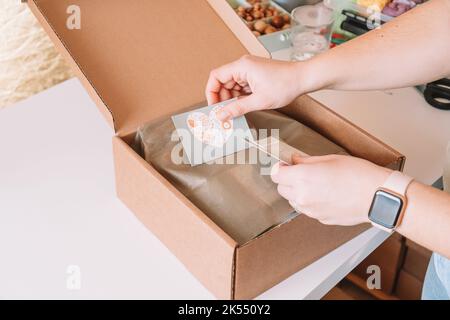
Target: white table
{"x":58,"y":206}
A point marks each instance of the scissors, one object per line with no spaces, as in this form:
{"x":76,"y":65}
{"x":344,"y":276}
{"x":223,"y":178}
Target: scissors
{"x":437,"y":94}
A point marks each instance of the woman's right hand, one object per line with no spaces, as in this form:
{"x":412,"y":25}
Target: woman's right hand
{"x":258,"y":83}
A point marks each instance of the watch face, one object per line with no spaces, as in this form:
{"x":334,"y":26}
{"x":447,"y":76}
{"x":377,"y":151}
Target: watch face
{"x":385,"y":209}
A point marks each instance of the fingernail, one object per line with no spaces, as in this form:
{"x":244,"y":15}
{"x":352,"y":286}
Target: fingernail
{"x":275,"y":169}
{"x":223,"y":115}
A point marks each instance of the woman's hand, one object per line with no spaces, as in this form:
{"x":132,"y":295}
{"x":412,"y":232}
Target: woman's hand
{"x":259,"y":83}
{"x":333,"y":189}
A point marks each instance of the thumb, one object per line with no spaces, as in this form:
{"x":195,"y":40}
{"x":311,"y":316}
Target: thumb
{"x":241,"y":106}
{"x":299,"y":159}
{"x":304,"y":159}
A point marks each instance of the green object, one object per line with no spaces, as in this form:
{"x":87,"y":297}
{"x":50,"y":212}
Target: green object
{"x":338,"y":6}
{"x":339,"y":41}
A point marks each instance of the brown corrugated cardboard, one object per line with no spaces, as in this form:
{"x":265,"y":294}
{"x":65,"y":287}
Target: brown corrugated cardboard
{"x":389,"y":257}
{"x":121,"y":58}
{"x":284,"y":250}
{"x":204,"y":248}
{"x":423,"y":251}
{"x":249,"y":203}
{"x":141,"y":60}
{"x":356,"y":141}
{"x":416,"y":260}
{"x":361,"y":283}
{"x":338,"y":294}
{"x":408,"y":287}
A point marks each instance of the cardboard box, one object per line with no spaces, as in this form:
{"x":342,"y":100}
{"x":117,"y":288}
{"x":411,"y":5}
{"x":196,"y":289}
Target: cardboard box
{"x":416,"y":260}
{"x":389,"y":257}
{"x":412,"y":274}
{"x":141,"y":60}
{"x":408,"y":287}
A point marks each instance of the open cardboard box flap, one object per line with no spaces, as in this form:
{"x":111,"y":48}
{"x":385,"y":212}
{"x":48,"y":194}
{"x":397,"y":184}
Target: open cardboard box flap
{"x":142,"y":60}
{"x":152,"y":59}
{"x":149,"y":59}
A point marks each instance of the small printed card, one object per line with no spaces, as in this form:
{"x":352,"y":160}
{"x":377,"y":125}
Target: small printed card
{"x":205,"y":138}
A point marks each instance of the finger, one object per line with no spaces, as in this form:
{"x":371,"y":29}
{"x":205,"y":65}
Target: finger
{"x":218,"y":78}
{"x":224,"y":94}
{"x":275,"y":168}
{"x":246,"y":89}
{"x":298,"y":159}
{"x":297,"y":207}
{"x":213,"y":97}
{"x":293,"y":204}
{"x":335,"y":223}
{"x":286,"y":192}
{"x":230,"y":85}
{"x":238,"y":108}
{"x":212,"y":90}
{"x":236,"y":93}
{"x":278,"y":175}
{"x":289,"y":175}
{"x":305,"y":159}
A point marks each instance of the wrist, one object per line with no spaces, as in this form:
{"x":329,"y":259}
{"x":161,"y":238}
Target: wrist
{"x":406,"y":219}
{"x":310,"y":76}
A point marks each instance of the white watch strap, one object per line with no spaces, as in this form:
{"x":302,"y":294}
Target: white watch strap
{"x":398,"y":183}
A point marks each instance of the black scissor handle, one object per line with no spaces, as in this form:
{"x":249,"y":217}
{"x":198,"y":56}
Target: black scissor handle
{"x":438,"y":90}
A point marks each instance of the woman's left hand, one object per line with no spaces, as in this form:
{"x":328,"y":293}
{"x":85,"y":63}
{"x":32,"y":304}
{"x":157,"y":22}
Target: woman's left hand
{"x":333,"y":189}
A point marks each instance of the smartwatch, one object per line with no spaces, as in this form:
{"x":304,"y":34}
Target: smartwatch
{"x":389,"y":202}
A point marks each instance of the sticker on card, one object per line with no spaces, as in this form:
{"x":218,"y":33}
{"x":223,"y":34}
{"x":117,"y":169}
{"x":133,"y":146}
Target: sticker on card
{"x":206,"y":138}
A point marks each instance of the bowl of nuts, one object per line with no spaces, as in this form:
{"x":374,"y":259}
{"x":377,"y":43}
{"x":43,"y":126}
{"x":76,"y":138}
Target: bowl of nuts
{"x":262,"y":16}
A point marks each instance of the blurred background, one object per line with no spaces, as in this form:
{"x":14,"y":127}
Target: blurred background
{"x":29,"y":62}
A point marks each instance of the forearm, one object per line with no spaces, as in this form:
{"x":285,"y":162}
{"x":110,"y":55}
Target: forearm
{"x":427,"y":218}
{"x":412,"y":49}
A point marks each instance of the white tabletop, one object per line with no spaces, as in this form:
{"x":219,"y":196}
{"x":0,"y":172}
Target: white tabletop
{"x":58,"y":207}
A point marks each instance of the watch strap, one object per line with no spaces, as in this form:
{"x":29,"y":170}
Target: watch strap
{"x":398,"y":183}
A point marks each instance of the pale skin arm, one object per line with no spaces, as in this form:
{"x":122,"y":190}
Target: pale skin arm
{"x":413,"y":49}
{"x":427,"y":218}
{"x":345,"y":198}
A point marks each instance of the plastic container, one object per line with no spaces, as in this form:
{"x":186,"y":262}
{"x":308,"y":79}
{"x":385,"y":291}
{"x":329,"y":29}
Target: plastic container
{"x":235,"y":4}
{"x":290,"y":5}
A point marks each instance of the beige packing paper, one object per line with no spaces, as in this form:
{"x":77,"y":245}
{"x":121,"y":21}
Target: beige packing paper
{"x":237,"y":197}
